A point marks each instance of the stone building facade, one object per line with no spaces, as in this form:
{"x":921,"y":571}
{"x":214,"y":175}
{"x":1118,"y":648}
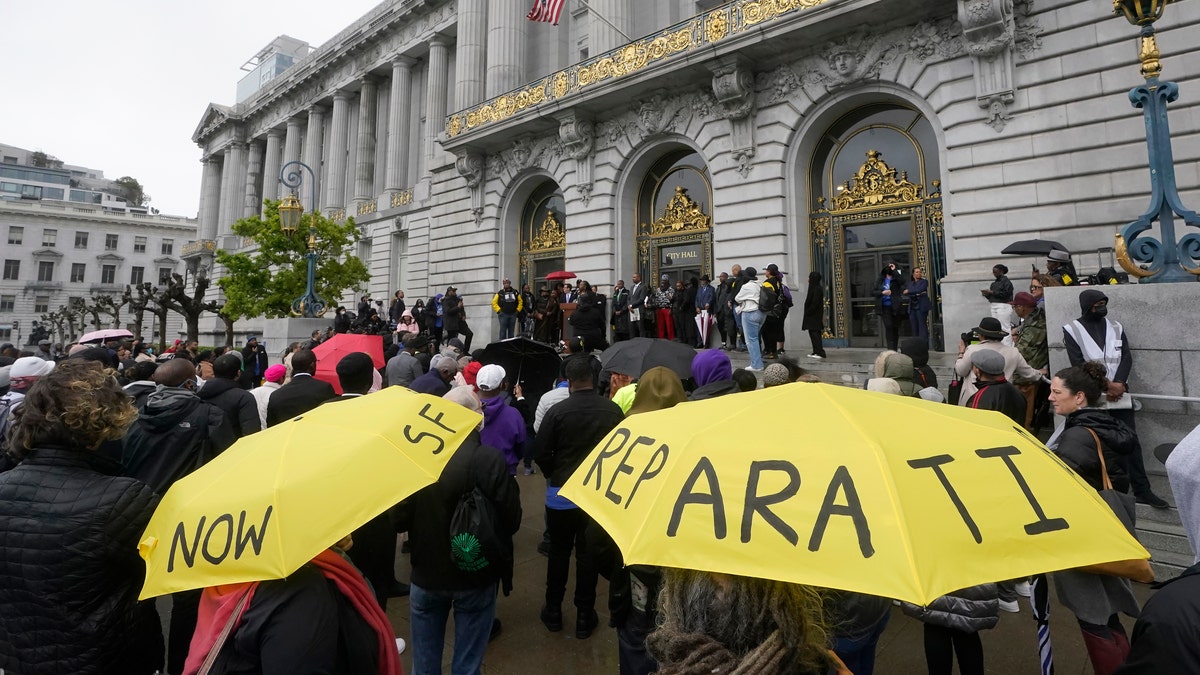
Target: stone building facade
{"x":55,"y":251}
{"x":831,"y":135}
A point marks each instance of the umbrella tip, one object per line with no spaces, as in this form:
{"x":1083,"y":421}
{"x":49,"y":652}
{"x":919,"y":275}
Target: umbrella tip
{"x":147,"y":546}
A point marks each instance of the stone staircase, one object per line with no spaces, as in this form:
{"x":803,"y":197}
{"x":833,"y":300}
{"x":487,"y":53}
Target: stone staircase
{"x":1159,"y":530}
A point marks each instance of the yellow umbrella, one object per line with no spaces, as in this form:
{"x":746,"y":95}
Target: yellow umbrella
{"x":277,"y":498}
{"x":843,"y":488}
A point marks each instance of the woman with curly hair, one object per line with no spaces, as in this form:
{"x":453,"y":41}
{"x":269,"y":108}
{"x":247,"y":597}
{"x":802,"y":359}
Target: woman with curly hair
{"x":1091,"y":443}
{"x":719,"y":623}
{"x":69,"y":529}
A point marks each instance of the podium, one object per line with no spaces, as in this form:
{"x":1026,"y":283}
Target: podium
{"x":566,"y":330}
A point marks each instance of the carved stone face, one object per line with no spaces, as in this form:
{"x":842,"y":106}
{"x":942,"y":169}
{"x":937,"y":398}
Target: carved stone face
{"x":845,"y":63}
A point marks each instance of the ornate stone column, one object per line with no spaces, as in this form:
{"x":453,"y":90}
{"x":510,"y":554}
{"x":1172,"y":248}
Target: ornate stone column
{"x":435,"y":93}
{"x":312,"y":152}
{"x":235,"y":197}
{"x":470,"y":66}
{"x":364,"y":169}
{"x":505,"y":46}
{"x":291,"y":142}
{"x":223,"y":196}
{"x":601,"y":36}
{"x":399,"y":120}
{"x":335,"y":197}
{"x":271,"y":164}
{"x":252,"y":204}
{"x":210,"y":199}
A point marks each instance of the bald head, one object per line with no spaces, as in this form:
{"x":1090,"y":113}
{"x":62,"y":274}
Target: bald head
{"x":174,"y":373}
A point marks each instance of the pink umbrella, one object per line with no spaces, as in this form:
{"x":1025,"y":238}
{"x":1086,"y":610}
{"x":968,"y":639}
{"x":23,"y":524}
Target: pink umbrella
{"x":104,"y":335}
{"x":704,"y":322}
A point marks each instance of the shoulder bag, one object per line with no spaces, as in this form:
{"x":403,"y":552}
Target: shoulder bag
{"x":1125,"y":508}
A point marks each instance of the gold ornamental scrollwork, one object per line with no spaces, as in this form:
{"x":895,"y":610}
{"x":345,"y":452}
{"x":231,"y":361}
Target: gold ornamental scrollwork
{"x":402,"y":198}
{"x":368,"y":207}
{"x":876,"y":184}
{"x":550,"y":235}
{"x":681,"y":215}
{"x":687,"y":36}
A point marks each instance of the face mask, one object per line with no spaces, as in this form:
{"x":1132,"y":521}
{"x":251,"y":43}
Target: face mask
{"x":1100,"y":311}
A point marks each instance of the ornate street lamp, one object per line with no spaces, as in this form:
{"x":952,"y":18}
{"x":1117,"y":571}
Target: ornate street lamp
{"x":1143,"y":256}
{"x":291,"y":213}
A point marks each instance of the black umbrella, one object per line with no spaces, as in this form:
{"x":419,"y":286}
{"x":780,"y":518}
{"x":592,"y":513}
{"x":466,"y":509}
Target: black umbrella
{"x":534,"y":365}
{"x":1033,"y":247}
{"x":636,"y":356}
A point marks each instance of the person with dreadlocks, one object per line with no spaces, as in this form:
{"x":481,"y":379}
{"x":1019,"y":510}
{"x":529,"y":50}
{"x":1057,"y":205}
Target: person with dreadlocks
{"x":718,"y":623}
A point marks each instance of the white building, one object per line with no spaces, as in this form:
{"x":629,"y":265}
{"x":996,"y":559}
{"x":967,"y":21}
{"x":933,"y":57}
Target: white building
{"x":57,"y":248}
{"x":829,"y":135}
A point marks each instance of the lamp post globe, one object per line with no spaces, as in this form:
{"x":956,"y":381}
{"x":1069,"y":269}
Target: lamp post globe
{"x":290,"y":212}
{"x":1140,"y":12}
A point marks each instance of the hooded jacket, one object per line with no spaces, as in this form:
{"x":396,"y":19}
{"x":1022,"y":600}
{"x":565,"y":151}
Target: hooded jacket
{"x":713,"y":374}
{"x":1097,"y":329}
{"x":426,"y":517}
{"x":238,"y":405}
{"x":70,"y":574}
{"x":503,"y":429}
{"x":917,"y":349}
{"x":899,"y":367}
{"x":175,"y":433}
{"x":1077,"y":448}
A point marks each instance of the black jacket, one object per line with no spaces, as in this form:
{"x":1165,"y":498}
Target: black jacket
{"x":1077,"y":448}
{"x":814,"y":308}
{"x":295,"y":398}
{"x":301,"y":624}
{"x":454,"y":315}
{"x":1001,"y":396}
{"x":570,"y":430}
{"x":714,"y":389}
{"x":897,"y":296}
{"x":70,"y":571}
{"x":1164,"y":637}
{"x":175,"y":434}
{"x":426,"y":517}
{"x":239,"y":406}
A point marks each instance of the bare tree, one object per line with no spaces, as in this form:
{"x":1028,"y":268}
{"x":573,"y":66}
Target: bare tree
{"x":188,"y":305}
{"x":111,"y":306}
{"x":139,"y":299}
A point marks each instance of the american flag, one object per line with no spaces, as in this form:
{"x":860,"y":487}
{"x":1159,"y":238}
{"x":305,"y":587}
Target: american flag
{"x":546,"y":10}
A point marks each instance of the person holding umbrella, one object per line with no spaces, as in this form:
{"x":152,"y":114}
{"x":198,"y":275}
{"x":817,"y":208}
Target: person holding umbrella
{"x":706,"y":302}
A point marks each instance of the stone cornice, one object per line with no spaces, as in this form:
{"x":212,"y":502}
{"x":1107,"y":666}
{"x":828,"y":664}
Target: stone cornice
{"x":373,"y":41}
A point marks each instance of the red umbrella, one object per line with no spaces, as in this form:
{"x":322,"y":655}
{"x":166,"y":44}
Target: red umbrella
{"x":332,"y":350}
{"x":559,"y":276}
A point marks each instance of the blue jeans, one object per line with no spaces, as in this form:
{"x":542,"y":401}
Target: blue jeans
{"x":508,"y":324}
{"x":859,"y":654}
{"x":474,"y":611}
{"x":752,"y":323}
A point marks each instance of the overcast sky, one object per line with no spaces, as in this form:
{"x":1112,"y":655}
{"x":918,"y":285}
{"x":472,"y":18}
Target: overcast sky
{"x":120,"y":85}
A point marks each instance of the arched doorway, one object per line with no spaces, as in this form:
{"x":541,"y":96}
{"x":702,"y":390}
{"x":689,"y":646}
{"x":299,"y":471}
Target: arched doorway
{"x":543,"y":241}
{"x":876,"y":175}
{"x":674,"y":212}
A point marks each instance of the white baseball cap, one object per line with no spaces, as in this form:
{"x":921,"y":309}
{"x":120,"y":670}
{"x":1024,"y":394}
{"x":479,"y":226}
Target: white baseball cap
{"x":490,"y":377}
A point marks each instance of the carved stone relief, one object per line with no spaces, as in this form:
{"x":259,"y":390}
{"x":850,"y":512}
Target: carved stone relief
{"x":578,"y":138}
{"x":733,"y":89}
{"x":472,"y":167}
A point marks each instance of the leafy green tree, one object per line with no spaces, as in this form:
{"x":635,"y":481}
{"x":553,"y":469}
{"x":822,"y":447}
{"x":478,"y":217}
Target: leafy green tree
{"x":265,"y":280}
{"x":132,"y":191}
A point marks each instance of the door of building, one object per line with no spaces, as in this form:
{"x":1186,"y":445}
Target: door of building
{"x":863,"y":269}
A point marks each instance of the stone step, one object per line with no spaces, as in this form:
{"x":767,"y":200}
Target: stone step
{"x":1161,"y":543}
{"x":1167,"y":566}
{"x":1148,"y":514}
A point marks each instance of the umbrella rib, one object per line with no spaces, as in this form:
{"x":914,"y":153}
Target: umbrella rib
{"x":892,"y":493}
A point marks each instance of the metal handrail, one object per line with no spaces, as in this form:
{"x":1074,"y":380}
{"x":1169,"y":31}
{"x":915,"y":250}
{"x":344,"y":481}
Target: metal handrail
{"x":1162,"y":397}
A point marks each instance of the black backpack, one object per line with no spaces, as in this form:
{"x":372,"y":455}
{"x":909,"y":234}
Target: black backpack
{"x":767,"y":299}
{"x":474,"y":545}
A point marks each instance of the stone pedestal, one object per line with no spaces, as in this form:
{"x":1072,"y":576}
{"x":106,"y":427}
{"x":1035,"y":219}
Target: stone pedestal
{"x":279,"y":333}
{"x":1162,"y":324}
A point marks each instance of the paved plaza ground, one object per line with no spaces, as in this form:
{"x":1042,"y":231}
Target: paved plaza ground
{"x":525,"y":646}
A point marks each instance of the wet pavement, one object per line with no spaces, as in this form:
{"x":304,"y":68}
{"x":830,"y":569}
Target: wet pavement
{"x":525,"y":646}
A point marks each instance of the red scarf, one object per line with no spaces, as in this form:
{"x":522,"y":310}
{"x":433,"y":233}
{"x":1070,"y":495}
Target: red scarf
{"x":217,"y":604}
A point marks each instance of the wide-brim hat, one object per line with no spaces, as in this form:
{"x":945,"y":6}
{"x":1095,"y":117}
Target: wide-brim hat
{"x":1058,"y":256}
{"x":989,"y":327}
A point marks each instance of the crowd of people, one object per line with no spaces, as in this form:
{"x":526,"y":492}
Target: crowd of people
{"x":94,"y":437}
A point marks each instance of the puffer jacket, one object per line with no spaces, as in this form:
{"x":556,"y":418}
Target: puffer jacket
{"x":969,"y":610}
{"x":70,"y":572}
{"x":900,"y":368}
{"x":1077,"y":448}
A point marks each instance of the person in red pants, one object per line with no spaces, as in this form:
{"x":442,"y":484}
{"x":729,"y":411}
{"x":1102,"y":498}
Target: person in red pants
{"x":663,"y":295}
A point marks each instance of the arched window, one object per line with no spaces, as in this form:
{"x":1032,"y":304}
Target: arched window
{"x":674,"y":212}
{"x":875,"y":176}
{"x":543,"y":234}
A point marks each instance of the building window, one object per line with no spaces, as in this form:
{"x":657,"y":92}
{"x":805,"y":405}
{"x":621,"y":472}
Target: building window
{"x":6,"y":334}
{"x":168,"y":247}
{"x":41,"y":304}
{"x":164,"y":275}
{"x":12,"y":270}
{"x":108,"y":274}
{"x":78,"y":271}
{"x":45,"y":271}
{"x":16,"y":235}
{"x":49,"y":238}
{"x":7,"y":302}
{"x":137,"y":275}
{"x":110,"y":242}
{"x":81,"y":239}
{"x":139,"y":244}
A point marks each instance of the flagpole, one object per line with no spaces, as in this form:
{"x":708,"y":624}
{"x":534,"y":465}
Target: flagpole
{"x":588,"y":7}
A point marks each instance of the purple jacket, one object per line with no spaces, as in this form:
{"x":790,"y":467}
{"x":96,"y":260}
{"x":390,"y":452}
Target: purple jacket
{"x":503,"y":428}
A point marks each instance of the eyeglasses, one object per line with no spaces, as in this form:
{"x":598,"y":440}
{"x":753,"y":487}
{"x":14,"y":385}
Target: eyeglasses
{"x":1035,"y":288}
